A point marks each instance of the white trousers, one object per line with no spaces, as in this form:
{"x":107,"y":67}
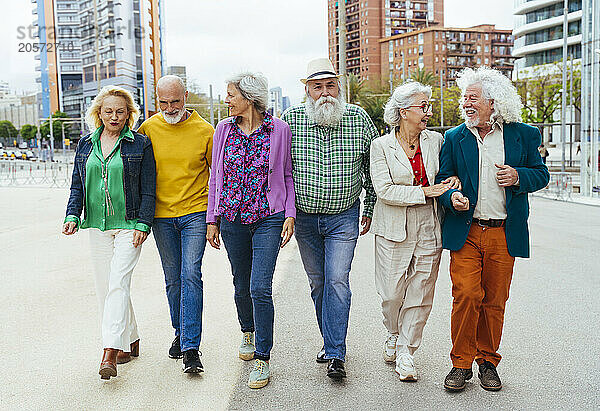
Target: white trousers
{"x":405,"y":276}
{"x":114,"y":257}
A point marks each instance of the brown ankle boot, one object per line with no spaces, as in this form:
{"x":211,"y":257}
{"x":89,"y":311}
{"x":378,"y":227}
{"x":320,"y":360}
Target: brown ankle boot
{"x":135,"y":348}
{"x":125,"y":356}
{"x":108,"y":366}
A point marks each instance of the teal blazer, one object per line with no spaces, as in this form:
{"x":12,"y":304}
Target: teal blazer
{"x":459,"y":156}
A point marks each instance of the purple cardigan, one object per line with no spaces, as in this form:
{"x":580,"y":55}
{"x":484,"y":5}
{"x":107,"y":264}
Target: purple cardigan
{"x":280,"y":186}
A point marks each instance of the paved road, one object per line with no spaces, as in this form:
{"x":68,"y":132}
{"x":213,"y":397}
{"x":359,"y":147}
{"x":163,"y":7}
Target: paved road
{"x":50,"y":337}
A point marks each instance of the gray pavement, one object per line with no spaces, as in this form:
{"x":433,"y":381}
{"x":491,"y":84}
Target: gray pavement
{"x":51,"y":345}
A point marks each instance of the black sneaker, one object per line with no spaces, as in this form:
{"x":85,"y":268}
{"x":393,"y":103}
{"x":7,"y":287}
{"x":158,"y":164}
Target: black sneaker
{"x":321,"y":356}
{"x":175,"y":350}
{"x":456,"y":380}
{"x":191,"y":362}
{"x":335,"y":369}
{"x":489,"y":377}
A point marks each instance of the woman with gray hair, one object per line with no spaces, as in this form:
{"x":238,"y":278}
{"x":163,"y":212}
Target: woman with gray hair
{"x":406,"y":224}
{"x":251,"y":203}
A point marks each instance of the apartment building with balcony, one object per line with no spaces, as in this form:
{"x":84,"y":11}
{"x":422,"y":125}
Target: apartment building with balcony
{"x":447,"y":51}
{"x":538,"y":33}
{"x":127,"y":52}
{"x":367,"y":21}
{"x":58,"y":61}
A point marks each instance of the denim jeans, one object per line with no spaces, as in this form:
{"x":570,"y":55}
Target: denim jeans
{"x":181,"y":242}
{"x":252,"y":250}
{"x":326,"y":243}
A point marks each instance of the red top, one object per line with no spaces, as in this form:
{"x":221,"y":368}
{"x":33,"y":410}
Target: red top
{"x":419,"y":169}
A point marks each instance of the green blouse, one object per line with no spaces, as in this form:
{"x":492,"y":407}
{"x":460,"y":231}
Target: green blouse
{"x":104,"y":191}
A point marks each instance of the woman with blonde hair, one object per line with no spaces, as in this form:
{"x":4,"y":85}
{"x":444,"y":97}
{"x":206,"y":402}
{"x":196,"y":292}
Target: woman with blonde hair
{"x":113,"y":183}
{"x":406,"y":224}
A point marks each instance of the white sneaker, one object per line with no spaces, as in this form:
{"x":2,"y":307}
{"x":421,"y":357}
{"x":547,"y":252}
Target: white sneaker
{"x":389,"y":348}
{"x":405,"y":367}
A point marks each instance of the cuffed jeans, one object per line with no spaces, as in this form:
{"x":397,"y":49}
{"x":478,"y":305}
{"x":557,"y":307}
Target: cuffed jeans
{"x":252,"y":250}
{"x":181,"y":242}
{"x":114,"y":257}
{"x":326,"y":243}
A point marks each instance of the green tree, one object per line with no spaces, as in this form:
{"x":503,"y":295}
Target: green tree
{"x":452,"y":116}
{"x":356,"y":89}
{"x":58,"y":119}
{"x":423,"y":76}
{"x":8,"y":131}
{"x":373,"y":98}
{"x":28,"y":131}
{"x":541,"y":94}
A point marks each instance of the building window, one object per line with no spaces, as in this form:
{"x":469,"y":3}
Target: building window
{"x":486,"y":49}
{"x":487,"y":36}
{"x":487,"y":61}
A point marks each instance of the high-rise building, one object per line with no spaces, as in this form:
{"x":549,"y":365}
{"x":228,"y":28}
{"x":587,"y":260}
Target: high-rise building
{"x":179,"y":71}
{"x":367,"y":21}
{"x":590,"y":99}
{"x":58,"y":60}
{"x":93,"y":43}
{"x":128,"y":51}
{"x":447,"y":50}
{"x":275,"y":101}
{"x":538,"y":32}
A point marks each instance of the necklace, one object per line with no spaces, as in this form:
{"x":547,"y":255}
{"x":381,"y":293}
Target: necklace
{"x":412,"y":145}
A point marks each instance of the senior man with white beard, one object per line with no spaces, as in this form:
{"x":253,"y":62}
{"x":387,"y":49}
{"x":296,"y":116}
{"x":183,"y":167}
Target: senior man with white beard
{"x":182,"y":141}
{"x":330,"y":167}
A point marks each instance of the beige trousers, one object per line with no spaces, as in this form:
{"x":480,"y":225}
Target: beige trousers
{"x":114,"y":258}
{"x":405,"y":275}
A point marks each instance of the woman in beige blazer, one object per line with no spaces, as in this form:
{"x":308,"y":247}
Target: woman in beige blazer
{"x":406,"y":223}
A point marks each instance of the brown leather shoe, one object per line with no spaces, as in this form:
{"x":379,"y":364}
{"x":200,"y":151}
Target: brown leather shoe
{"x":108,"y":366}
{"x":135,"y":348}
{"x":125,"y":356}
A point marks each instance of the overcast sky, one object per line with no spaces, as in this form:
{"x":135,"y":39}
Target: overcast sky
{"x":215,"y":39}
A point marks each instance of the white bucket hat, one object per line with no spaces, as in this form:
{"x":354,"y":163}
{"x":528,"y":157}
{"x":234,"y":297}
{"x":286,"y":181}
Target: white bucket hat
{"x":319,"y":69}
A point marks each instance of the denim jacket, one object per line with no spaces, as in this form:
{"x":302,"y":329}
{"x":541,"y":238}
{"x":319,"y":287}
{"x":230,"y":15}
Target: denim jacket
{"x":139,"y":178}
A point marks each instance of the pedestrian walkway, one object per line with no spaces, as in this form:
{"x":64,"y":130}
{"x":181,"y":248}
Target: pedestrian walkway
{"x":51,"y":342}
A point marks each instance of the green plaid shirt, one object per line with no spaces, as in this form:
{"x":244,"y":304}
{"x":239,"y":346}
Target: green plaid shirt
{"x":330,"y":165}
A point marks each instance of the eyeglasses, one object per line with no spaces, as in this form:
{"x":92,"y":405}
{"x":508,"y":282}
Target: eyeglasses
{"x":425,"y":107}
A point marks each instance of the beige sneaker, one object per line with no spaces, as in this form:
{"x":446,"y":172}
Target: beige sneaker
{"x":405,"y":367}
{"x":246,"y":351}
{"x":389,"y":348}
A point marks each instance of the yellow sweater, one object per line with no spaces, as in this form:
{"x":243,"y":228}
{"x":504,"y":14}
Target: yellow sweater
{"x":183,"y":157}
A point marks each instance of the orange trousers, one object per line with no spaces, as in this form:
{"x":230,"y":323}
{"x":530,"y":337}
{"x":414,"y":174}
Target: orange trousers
{"x":481,"y":272}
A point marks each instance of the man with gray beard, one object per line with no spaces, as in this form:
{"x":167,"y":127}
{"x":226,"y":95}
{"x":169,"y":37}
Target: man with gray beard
{"x":330,"y":167}
{"x":183,"y":152}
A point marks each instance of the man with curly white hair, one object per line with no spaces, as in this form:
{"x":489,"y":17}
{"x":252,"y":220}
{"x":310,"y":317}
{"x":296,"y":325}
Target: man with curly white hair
{"x":495,"y":156}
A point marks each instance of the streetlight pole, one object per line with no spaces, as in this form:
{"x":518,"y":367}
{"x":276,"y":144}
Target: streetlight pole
{"x":442,"y":97}
{"x":342,"y":43}
{"x":212,"y":111}
{"x":563,"y":114}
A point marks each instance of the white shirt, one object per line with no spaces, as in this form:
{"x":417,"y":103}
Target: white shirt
{"x":491,"y":198}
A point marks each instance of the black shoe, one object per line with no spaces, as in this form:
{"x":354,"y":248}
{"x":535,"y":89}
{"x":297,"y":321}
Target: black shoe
{"x":175,"y":350}
{"x":456,"y":380}
{"x":335,"y":369}
{"x":489,"y":377}
{"x":191,"y":362}
{"x":321,"y":356}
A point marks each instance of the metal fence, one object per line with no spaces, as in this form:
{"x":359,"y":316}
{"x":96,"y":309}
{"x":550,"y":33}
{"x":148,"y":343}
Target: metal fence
{"x":31,"y":173}
{"x":560,"y":187}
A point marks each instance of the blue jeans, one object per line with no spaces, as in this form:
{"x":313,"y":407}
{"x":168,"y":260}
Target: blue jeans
{"x":326,"y":243}
{"x":181,"y":242}
{"x":252,"y":250}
